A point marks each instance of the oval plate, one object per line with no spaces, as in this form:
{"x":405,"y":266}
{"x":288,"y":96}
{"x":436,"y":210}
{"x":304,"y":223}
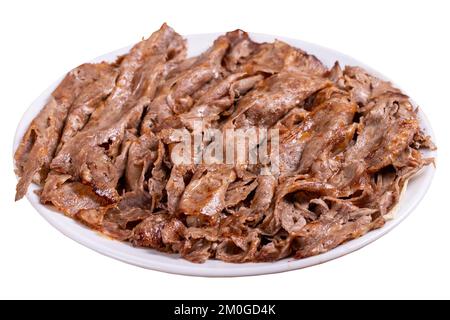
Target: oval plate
{"x":172,"y":263}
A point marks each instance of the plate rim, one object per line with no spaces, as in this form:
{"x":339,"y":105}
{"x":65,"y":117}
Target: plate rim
{"x":224,"y":269}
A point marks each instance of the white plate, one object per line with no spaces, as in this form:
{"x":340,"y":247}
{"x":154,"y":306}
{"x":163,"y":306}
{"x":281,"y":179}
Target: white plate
{"x":172,"y":263}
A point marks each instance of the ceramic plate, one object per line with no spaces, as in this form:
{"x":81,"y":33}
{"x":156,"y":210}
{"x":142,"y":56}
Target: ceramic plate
{"x":172,"y":263}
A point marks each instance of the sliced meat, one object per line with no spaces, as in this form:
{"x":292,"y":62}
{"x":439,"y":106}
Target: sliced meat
{"x":84,"y":84}
{"x":273,"y":57}
{"x":241,"y":49}
{"x":291,"y":217}
{"x":363,"y":86}
{"x":264,"y":193}
{"x":278,"y":248}
{"x":238,"y":191}
{"x":175,"y":96}
{"x":323,"y":128}
{"x":389,"y":121}
{"x":176,"y":185}
{"x":274,"y":98}
{"x":142,"y":154}
{"x":329,"y":130}
{"x":101,"y":141}
{"x":69,"y":197}
{"x":118,"y":220}
{"x":117,"y":147}
{"x":321,"y":236}
{"x":398,"y":136}
{"x":219,"y":98}
{"x":205,"y":194}
{"x":239,"y":248}
{"x":149,"y":232}
{"x":91,"y":97}
{"x":158,"y":180}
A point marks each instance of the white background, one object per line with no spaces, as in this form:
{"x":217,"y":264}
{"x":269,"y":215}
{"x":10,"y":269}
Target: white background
{"x":406,"y":40}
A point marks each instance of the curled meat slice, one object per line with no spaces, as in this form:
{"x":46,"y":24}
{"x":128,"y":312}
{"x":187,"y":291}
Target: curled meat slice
{"x":386,"y":130}
{"x":175,"y":96}
{"x":292,"y":219}
{"x":142,"y":154}
{"x":239,"y":191}
{"x":273,"y":57}
{"x":278,"y":248}
{"x":86,"y":84}
{"x":241,"y":49}
{"x":329,"y":131}
{"x":92,"y":96}
{"x":205,"y":195}
{"x":321,"y":130}
{"x":117,"y":220}
{"x":148,"y":233}
{"x":173,"y":234}
{"x":219,"y":98}
{"x":206,"y":68}
{"x":272,"y":222}
{"x":397,"y":138}
{"x":113,"y":222}
{"x":157,"y":181}
{"x":69,"y":197}
{"x":240,"y":248}
{"x":196,"y":250}
{"x":274,"y":98}
{"x":101,"y":141}
{"x":176,"y":185}
{"x":264,"y":193}
{"x":322,"y":235}
{"x":363,"y":86}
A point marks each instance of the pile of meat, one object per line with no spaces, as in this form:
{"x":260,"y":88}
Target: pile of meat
{"x":100,"y":149}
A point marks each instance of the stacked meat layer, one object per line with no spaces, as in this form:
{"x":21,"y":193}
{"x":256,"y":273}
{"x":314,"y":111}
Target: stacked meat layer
{"x":101,"y":149}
